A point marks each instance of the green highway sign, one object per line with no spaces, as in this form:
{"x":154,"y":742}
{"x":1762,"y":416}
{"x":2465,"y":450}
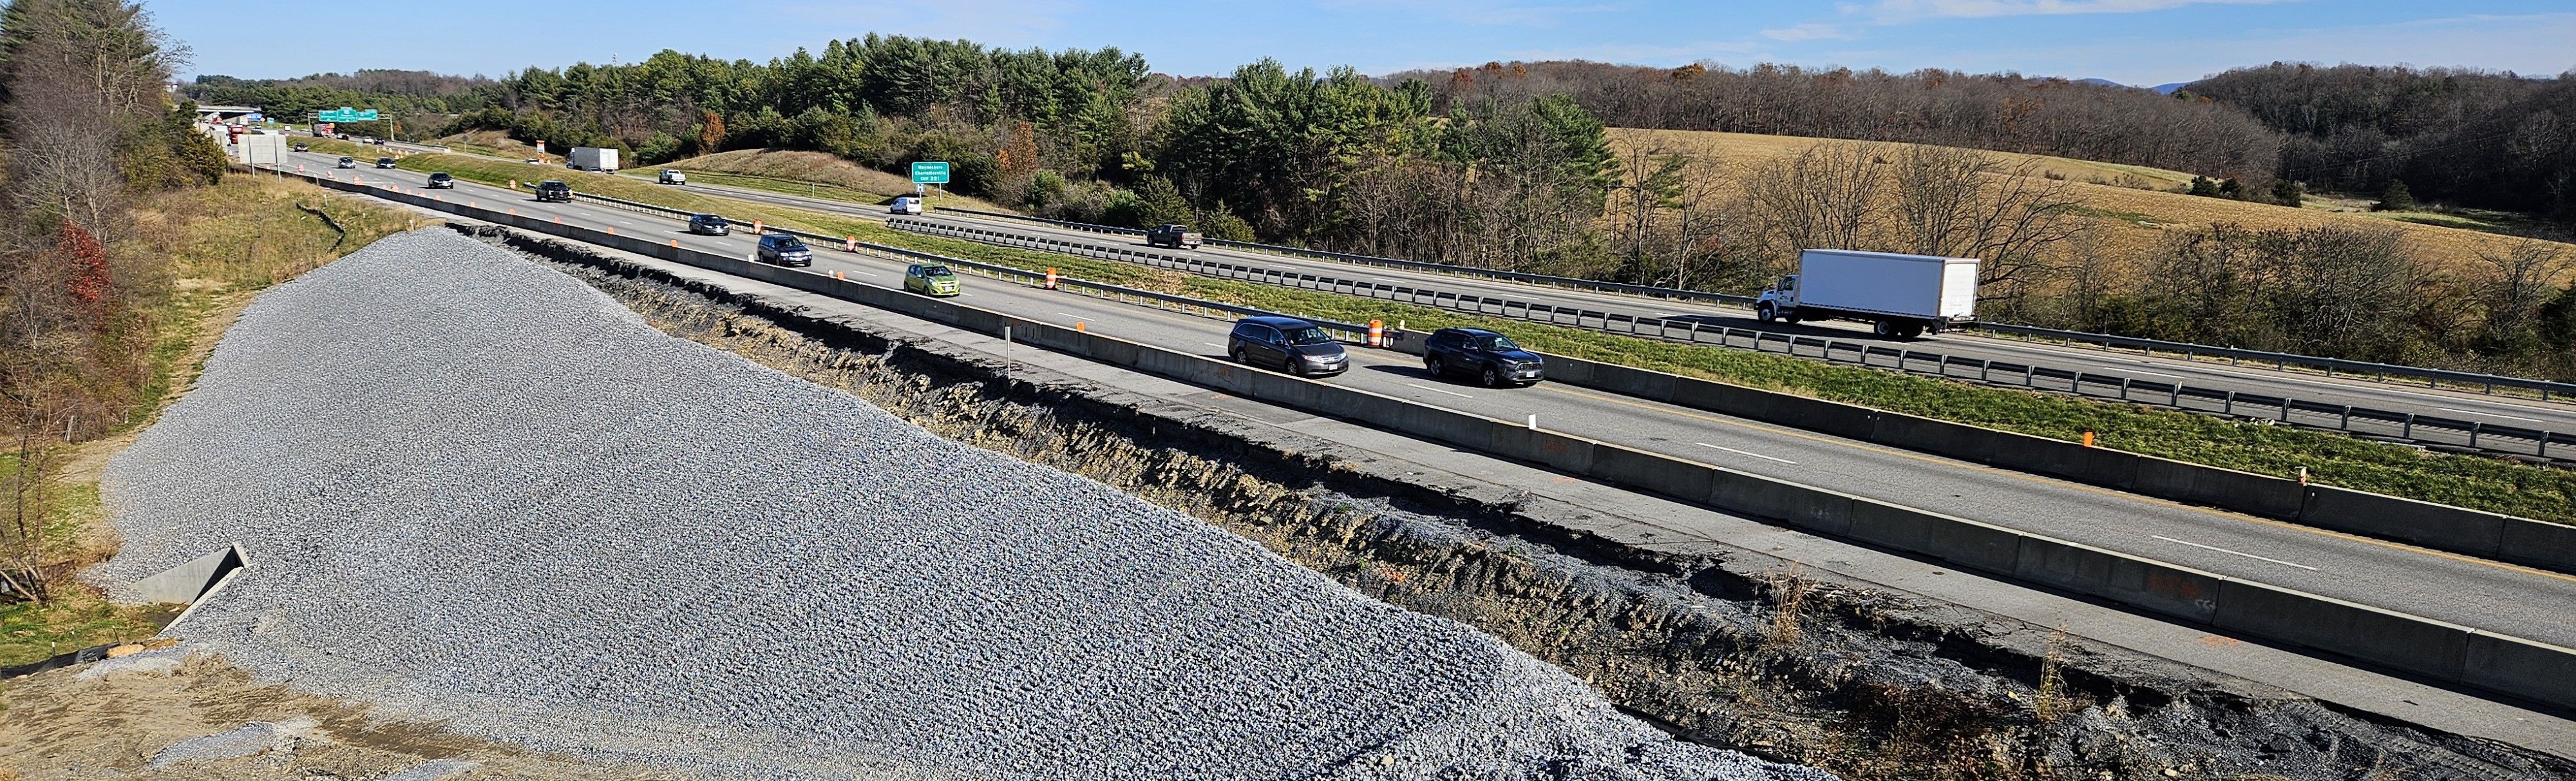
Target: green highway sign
{"x":344,"y":114}
{"x":935,"y":172}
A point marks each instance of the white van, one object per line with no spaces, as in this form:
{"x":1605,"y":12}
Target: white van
{"x":905,"y":205}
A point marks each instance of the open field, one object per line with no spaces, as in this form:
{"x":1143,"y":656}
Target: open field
{"x":2134,"y":217}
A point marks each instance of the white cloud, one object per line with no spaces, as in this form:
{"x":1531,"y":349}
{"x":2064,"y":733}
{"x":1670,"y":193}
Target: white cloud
{"x":1909,"y":10}
{"x":1810,"y":31}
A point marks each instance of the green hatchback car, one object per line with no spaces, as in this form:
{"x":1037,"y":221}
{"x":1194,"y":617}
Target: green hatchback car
{"x":929,"y":279}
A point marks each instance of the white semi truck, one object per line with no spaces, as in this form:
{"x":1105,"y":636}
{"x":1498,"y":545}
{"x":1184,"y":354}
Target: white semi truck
{"x":591,"y":158}
{"x":1902,"y":295}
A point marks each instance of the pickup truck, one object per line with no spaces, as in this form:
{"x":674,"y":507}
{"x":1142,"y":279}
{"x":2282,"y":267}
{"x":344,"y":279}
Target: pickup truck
{"x":673,"y":177}
{"x":1173,"y":235}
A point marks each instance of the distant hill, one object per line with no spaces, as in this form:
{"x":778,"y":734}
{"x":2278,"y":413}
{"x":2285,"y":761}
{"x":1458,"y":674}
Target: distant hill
{"x":2169,"y":88}
{"x":2132,"y":206}
{"x":2103,"y":82}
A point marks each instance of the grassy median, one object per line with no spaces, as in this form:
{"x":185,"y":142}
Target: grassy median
{"x":2495,"y":485}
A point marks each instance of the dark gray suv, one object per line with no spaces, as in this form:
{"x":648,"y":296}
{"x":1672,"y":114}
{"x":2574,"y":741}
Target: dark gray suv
{"x":709,"y":225}
{"x":784,"y":250}
{"x":1287,"y":344}
{"x":1489,"y":357}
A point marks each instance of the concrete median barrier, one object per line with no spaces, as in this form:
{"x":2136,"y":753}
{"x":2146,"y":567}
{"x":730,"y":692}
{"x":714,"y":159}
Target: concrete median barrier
{"x":2440,"y":527}
{"x":2410,"y":643}
{"x":2538,"y":671}
{"x":2430,"y":525}
{"x":2433,"y":649}
{"x":2179,"y":592}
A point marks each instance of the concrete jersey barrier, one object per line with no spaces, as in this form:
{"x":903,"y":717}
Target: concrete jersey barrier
{"x":2438,"y":650}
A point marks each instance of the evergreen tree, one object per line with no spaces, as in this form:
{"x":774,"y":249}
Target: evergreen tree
{"x":2395,"y":198}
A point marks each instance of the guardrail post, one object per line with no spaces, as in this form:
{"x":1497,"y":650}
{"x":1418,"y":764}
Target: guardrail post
{"x":2347,"y":418}
{"x":1984,"y":367}
{"x":2124,"y":389}
{"x":2228,"y":407}
{"x":2473,"y":433}
{"x":2544,"y":444}
{"x":2285,"y":409}
{"x":2029,"y":376}
{"x":2409,"y":431}
{"x":2175,"y":390}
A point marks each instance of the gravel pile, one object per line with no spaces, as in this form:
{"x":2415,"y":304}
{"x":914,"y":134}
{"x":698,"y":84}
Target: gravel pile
{"x":473,"y":489}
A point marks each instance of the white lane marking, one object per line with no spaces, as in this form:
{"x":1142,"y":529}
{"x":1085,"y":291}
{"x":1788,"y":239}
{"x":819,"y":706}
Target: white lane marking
{"x":2489,"y":414}
{"x":2143,"y":371}
{"x":1213,"y":344}
{"x":1437,"y":390}
{"x":1745,"y":452}
{"x":2224,"y":550}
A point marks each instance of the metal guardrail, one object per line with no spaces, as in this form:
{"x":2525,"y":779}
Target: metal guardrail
{"x":1373,"y":260}
{"x":2283,"y":361}
{"x":2176,"y":395}
{"x":1350,"y":331}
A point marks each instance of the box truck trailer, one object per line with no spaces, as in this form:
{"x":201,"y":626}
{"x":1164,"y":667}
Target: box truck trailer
{"x":1902,"y":295}
{"x":591,"y":158}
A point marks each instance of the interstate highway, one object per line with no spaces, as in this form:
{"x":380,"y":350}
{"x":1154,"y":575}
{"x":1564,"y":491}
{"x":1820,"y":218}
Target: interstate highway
{"x":2501,"y":598}
{"x":2431,"y":402}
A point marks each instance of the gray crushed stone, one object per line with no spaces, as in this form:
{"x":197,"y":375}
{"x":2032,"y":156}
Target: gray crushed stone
{"x":242,"y":741}
{"x":434,"y":770}
{"x":475,"y":490}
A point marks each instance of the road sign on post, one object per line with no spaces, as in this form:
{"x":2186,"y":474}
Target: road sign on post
{"x":930,"y":172}
{"x":344,"y":114}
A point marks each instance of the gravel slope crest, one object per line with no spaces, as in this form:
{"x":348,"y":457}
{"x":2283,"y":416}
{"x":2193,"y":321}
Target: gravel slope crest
{"x":474,"y":489}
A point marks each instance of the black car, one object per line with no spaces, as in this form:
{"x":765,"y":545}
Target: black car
{"x":1287,"y":344}
{"x":384,"y":162}
{"x":1490,"y":357}
{"x":709,"y":225}
{"x":551,"y":190}
{"x":300,"y":147}
{"x":784,"y":250}
{"x":441,"y":181}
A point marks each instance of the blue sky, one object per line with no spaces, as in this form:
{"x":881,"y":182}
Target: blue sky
{"x":2143,"y":42}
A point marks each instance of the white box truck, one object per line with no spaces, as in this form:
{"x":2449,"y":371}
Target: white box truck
{"x":591,"y":158}
{"x":1903,"y":295}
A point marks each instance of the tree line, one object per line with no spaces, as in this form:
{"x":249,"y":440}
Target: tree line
{"x":1508,"y":166}
{"x":88,"y":128}
{"x":2465,"y":137}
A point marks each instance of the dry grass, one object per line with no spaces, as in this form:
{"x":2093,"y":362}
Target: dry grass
{"x":222,"y":244}
{"x":2132,"y":220}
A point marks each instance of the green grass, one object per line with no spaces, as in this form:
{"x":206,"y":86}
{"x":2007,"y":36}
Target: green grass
{"x":73,"y":620}
{"x":831,"y":192}
{"x":2466,"y":481}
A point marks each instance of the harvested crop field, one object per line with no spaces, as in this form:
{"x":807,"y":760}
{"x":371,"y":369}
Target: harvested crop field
{"x":477,"y":492}
{"x":2134,"y":205}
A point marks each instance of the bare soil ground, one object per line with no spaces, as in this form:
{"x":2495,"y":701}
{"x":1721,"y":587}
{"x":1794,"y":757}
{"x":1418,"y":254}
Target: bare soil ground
{"x":62,"y":725}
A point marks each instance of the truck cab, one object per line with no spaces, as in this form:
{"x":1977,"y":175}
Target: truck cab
{"x":1779,"y":302}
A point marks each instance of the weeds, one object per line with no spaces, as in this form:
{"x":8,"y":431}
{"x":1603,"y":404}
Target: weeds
{"x":1789,"y":590}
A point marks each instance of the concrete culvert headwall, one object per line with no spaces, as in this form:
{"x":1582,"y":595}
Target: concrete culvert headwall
{"x":1869,"y":685}
{"x":481,"y":492}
